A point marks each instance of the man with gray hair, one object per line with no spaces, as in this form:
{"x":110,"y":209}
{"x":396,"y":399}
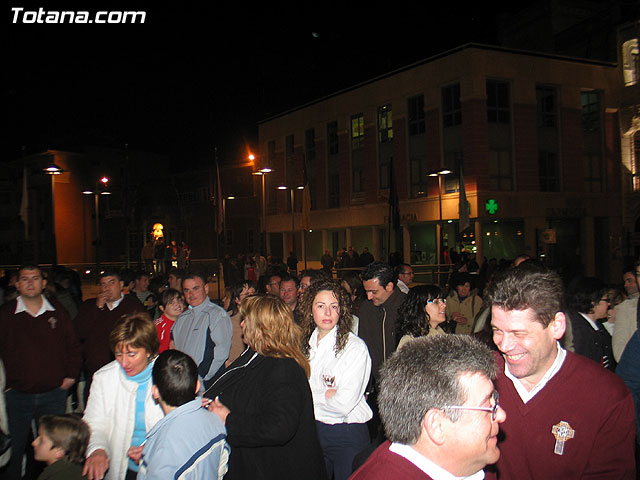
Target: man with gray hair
{"x":439,"y":410}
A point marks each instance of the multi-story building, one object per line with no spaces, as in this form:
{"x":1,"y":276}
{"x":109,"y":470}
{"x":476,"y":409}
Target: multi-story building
{"x":532,"y":140}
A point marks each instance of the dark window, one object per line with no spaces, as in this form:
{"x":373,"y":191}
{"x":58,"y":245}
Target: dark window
{"x":590,"y":111}
{"x":500,"y":177}
{"x":332,"y":138}
{"x":289,"y":166}
{"x":310,"y":165}
{"x":548,"y":168}
{"x":415,"y":114}
{"x":498,"y":110}
{"x":270,"y":193}
{"x":547,"y":109}
{"x":385,"y":124}
{"x":451,"y":109}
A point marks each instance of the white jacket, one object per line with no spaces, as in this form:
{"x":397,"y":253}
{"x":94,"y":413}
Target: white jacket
{"x":110,"y":415}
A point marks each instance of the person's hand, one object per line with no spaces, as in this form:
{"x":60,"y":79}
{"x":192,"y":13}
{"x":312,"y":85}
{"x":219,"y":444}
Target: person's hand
{"x":96,"y":465}
{"x":101,"y":300}
{"x":67,"y":383}
{"x":219,"y":409}
{"x":206,"y":402}
{"x":135,"y":453}
{"x":330,"y":393}
{"x":461,"y":320}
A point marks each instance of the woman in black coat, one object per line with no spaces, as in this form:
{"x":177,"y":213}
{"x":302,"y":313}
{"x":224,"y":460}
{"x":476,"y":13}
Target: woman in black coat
{"x":265,"y":401}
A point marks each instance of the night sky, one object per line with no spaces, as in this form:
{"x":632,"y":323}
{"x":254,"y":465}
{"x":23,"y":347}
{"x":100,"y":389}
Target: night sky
{"x":191,"y":79}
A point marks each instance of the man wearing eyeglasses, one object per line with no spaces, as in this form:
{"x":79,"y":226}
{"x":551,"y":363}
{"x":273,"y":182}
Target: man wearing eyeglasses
{"x":440,"y":412}
{"x":568,"y":417}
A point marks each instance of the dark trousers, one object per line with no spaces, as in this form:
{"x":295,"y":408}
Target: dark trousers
{"x":22,"y":408}
{"x":340,"y":444}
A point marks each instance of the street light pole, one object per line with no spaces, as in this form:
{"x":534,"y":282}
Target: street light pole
{"x":293,"y":230}
{"x":100,"y":190}
{"x":53,"y":170}
{"x":439,"y":173}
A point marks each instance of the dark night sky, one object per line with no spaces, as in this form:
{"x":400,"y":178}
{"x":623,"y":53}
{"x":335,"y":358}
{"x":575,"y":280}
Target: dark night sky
{"x":193,"y":78}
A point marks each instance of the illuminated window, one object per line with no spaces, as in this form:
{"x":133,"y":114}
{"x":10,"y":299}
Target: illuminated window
{"x":357,"y":132}
{"x":630,"y":64}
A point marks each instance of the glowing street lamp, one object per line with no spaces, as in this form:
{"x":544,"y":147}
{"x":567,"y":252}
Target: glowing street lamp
{"x":53,"y":170}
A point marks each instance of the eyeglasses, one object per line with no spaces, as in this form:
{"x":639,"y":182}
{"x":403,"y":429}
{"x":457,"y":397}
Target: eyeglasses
{"x":493,"y":410}
{"x":440,"y":301}
{"x":605,"y":299}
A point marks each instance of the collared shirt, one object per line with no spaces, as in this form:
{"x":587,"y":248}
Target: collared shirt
{"x":436,"y":472}
{"x":404,"y":288}
{"x":348,"y":372}
{"x":526,"y":395}
{"x":115,"y":303}
{"x":591,"y":322}
{"x":45,"y":307}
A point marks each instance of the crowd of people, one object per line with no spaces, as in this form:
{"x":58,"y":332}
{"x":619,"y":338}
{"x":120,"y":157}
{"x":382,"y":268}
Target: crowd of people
{"x":509,"y":372}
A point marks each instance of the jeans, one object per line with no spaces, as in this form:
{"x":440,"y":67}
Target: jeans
{"x":22,"y":408}
{"x":340,"y":444}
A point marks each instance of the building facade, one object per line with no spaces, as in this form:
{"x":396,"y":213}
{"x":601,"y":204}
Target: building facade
{"x":531,"y":140}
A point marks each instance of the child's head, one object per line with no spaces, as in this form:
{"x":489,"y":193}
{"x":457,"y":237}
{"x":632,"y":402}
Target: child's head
{"x":61,"y":437}
{"x":171,"y":303}
{"x":175,"y":378}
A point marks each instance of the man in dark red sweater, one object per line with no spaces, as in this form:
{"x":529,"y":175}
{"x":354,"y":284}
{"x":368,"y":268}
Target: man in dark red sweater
{"x":41,"y":356}
{"x":439,"y":410}
{"x":567,"y":417}
{"x":96,"y":319}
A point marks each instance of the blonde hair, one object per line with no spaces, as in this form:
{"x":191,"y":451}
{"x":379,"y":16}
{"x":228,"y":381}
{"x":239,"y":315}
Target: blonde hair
{"x":270,"y":330}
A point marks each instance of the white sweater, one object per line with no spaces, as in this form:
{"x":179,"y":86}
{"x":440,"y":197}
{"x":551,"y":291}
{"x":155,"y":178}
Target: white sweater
{"x":110,"y":415}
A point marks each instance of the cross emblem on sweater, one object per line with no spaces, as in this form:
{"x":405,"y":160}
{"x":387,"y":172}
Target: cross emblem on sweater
{"x":563,"y":432}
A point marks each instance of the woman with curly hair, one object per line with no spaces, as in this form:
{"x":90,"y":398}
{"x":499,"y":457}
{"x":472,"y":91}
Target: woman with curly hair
{"x":421,"y":314}
{"x":340,"y":369}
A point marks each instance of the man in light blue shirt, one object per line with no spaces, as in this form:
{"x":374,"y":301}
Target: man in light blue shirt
{"x":189,"y":442}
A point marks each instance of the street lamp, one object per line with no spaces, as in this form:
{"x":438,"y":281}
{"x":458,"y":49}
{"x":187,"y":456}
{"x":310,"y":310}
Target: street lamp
{"x":53,"y":170}
{"x":439,"y":173}
{"x":293,"y":231}
{"x":263,"y":227}
{"x":101,"y":189}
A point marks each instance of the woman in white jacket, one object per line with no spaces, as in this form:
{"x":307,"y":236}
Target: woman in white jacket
{"x":340,"y":369}
{"x":120,"y":410}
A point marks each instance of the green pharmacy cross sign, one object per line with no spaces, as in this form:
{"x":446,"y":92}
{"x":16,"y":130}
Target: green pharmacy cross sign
{"x":491,"y":206}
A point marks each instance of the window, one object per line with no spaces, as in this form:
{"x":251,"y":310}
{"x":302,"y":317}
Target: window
{"x":332,"y":138}
{"x":500,"y":170}
{"x":547,"y":106}
{"x":415,"y":114}
{"x":630,"y":64}
{"x":498,"y":110}
{"x":310,"y":164}
{"x":593,"y":173}
{"x":357,"y":153}
{"x":451,"y":109}
{"x":548,"y":168}
{"x":289,"y":166}
{"x":635,"y":162}
{"x":357,"y":132}
{"x":590,"y":111}
{"x":385,"y":124}
{"x":418,"y":177}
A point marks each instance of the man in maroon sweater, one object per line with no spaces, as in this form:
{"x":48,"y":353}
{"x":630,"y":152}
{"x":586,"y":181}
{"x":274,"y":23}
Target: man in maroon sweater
{"x":96,"y":319}
{"x":567,"y":416}
{"x":439,"y":410}
{"x":41,"y":355}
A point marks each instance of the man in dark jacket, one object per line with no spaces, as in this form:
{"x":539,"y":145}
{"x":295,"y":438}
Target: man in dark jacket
{"x":379,"y":313}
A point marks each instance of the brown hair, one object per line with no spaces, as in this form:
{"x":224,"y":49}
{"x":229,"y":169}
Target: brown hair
{"x":270,"y":329}
{"x":306,"y":313}
{"x":69,"y":433}
{"x":135,"y":330}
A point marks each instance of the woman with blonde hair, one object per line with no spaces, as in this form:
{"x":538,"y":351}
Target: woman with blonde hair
{"x":265,"y":401}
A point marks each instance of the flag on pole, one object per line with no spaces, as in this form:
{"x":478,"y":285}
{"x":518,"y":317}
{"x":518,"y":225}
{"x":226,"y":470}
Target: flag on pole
{"x":463,"y":205}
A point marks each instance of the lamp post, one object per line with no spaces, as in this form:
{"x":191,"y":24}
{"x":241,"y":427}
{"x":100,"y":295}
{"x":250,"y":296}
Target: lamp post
{"x":439,"y":173}
{"x":293,"y":229}
{"x":101,"y":189}
{"x":263,"y":224}
{"x":53,"y":170}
